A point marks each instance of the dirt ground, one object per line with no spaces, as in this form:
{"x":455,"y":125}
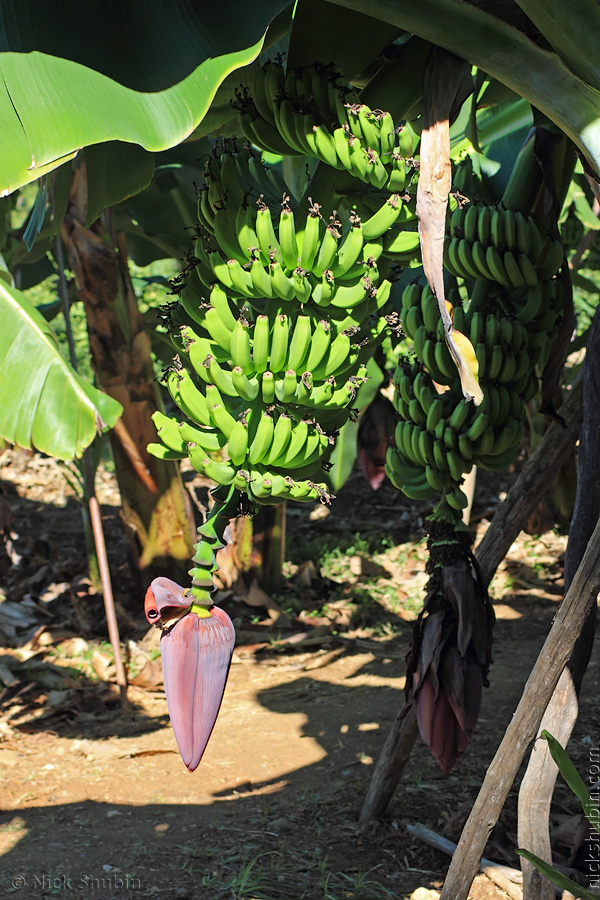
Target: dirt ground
{"x":95,"y":800}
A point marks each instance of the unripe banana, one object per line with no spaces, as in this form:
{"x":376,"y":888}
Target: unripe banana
{"x":239,"y":348}
{"x":300,"y":343}
{"x":434,"y":414}
{"x":268,"y":387}
{"x":187,"y":397}
{"x":281,"y":438}
{"x":287,"y":236}
{"x":285,"y":387}
{"x":350,"y":249}
{"x":237,"y":445}
{"x":245,"y":387}
{"x":320,"y":343}
{"x":457,"y":499}
{"x":262,"y":440}
{"x":384,"y":219}
{"x":221,"y":473}
{"x":168,"y":431}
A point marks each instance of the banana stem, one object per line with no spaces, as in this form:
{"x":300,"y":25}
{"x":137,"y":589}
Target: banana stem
{"x":225,"y":507}
{"x":321,"y":189}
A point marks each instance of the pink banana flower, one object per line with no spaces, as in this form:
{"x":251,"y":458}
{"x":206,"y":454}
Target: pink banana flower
{"x":196,"y":646}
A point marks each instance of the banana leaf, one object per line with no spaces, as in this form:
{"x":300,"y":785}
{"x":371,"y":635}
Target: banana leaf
{"x":501,"y":50}
{"x":590,"y":810}
{"x":573,"y":779}
{"x":115,"y":172}
{"x":140,"y":73}
{"x":44,"y":403}
{"x":557,"y":877}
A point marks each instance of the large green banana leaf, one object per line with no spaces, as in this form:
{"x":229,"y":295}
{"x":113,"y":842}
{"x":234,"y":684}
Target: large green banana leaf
{"x":540,"y":75}
{"x":44,"y":403}
{"x":76,"y":74}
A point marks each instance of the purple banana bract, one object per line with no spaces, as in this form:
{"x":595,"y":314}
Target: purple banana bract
{"x":196,"y":654}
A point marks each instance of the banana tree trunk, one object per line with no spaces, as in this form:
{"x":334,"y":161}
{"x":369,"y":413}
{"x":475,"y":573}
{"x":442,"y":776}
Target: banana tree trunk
{"x":255,"y":550}
{"x":156,"y":509}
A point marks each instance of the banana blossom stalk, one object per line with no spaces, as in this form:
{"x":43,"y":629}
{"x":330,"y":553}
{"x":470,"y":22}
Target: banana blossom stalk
{"x":449,"y":660}
{"x":196,"y":646}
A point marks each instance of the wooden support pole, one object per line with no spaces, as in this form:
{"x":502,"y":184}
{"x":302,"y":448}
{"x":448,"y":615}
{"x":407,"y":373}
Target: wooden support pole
{"x":537,"y":785}
{"x":525,"y":723}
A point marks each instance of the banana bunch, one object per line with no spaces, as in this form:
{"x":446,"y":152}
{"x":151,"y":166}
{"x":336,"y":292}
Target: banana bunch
{"x":311,"y":111}
{"x":500,"y":245}
{"x":422,"y":324}
{"x":265,"y":453}
{"x":259,"y":251}
{"x":270,"y":388}
{"x":439,"y":436}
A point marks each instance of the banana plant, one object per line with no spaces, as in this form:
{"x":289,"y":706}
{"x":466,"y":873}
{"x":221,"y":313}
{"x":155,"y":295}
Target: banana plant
{"x":286,"y":298}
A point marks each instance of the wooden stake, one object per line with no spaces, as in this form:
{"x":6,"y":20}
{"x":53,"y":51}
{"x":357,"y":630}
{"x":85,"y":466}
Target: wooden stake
{"x":525,"y":723}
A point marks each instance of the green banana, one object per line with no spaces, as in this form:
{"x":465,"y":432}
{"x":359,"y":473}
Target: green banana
{"x":187,"y":397}
{"x":168,"y":431}
{"x":282,"y":434}
{"x":217,"y":329}
{"x":237,"y":444}
{"x":265,"y":232}
{"x":384,"y":219}
{"x":311,"y":237}
{"x":162,"y":452}
{"x":285,"y":387}
{"x":299,"y":343}
{"x":350,"y":248}
{"x":245,"y":387}
{"x":261,"y":344}
{"x":320,"y":344}
{"x":283,"y":286}
{"x":457,"y":499}
{"x":268,"y":387}
{"x":239,"y":347}
{"x":287,"y":236}
{"x":261,"y":442}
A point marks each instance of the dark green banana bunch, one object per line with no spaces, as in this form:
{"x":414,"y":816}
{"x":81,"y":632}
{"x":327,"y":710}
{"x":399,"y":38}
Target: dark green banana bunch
{"x":515,"y":309}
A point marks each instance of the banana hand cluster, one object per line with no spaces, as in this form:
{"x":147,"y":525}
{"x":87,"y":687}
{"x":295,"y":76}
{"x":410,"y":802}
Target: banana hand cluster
{"x":501,"y":245}
{"x":313,"y":112}
{"x":253,"y":241}
{"x":439,"y":436}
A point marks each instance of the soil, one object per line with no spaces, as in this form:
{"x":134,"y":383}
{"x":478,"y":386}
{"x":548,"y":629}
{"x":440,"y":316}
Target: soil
{"x":96,"y":802}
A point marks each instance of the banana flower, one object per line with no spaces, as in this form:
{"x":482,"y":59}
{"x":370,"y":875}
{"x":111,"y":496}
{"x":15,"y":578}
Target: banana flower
{"x":449,"y":661}
{"x":196,"y":646}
